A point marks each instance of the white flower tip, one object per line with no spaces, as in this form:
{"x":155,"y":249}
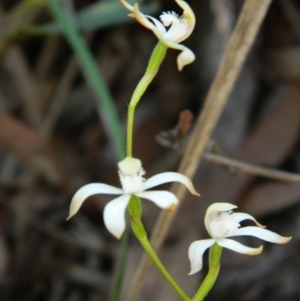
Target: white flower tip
{"x":285,"y":240}
{"x":172,"y":207}
{"x":130,"y":166}
{"x":194,"y":192}
{"x":74,"y":207}
{"x":258,"y":224}
{"x":191,"y":188}
{"x":187,"y":11}
{"x":126,"y":5}
{"x":194,"y":271}
{"x":117,"y":232}
{"x":117,"y":235}
{"x":69,"y":217}
{"x":255,"y":251}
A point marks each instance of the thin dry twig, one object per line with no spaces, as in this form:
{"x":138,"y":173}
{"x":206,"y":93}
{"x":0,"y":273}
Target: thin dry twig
{"x":29,"y":92}
{"x":47,"y":58}
{"x":252,"y":169}
{"x":250,"y":19}
{"x":59,"y":98}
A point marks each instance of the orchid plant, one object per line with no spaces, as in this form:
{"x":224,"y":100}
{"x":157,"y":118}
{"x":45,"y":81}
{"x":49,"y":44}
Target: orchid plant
{"x":220,"y":220}
{"x":131,"y":172}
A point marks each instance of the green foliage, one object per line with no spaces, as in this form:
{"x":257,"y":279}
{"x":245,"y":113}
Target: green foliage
{"x":99,"y":15}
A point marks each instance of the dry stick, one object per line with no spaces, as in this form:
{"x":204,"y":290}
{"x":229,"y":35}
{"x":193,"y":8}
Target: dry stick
{"x":248,"y":24}
{"x":252,"y":169}
{"x":59,"y":98}
{"x":47,"y":58}
{"x":29,"y":91}
{"x":61,"y":93}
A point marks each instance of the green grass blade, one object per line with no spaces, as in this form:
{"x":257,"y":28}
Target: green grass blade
{"x":94,"y":77}
{"x":99,"y":15}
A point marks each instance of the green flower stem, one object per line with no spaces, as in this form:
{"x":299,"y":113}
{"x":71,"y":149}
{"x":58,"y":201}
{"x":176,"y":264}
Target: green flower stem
{"x":135,"y":213}
{"x":93,"y":75}
{"x":210,"y":279}
{"x":156,"y":59}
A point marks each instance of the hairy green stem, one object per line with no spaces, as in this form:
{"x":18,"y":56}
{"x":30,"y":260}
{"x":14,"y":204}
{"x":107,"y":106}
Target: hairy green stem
{"x":211,"y":277}
{"x":156,"y":59}
{"x":135,"y":212}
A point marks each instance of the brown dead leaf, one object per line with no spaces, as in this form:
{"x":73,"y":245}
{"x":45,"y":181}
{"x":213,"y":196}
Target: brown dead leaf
{"x":271,"y":197}
{"x":27,"y":146}
{"x":269,"y":144}
{"x":276,"y":134}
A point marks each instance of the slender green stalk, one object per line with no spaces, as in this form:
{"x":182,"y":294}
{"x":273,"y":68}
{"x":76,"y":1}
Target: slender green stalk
{"x":135,"y":212}
{"x":93,"y":75}
{"x":156,"y":59}
{"x":210,"y":279}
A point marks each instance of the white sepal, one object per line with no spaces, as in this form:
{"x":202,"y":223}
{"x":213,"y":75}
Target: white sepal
{"x":238,"y":247}
{"x":263,"y":234}
{"x":167,"y":177}
{"x":163,"y":199}
{"x":114,"y":215}
{"x":196,"y":251}
{"x":90,"y":189}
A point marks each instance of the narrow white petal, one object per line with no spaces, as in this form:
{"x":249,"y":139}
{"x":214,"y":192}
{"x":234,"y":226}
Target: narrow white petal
{"x":127,"y":5}
{"x":142,"y":19}
{"x":240,"y":216}
{"x":264,"y":234}
{"x":195,"y":253}
{"x":90,"y":189}
{"x":114,"y":215}
{"x":237,"y":247}
{"x":163,"y":199}
{"x":187,"y":13}
{"x":167,"y":177}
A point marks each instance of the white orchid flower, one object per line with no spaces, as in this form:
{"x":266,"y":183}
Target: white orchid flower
{"x":180,"y":28}
{"x":131,"y":176}
{"x":220,"y":223}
